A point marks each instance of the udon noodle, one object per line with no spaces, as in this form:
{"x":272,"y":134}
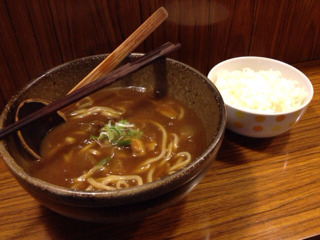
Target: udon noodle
{"x":119,"y":138}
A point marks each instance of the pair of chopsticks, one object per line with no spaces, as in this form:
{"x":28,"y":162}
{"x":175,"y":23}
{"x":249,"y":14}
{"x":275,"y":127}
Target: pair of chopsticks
{"x":92,"y":87}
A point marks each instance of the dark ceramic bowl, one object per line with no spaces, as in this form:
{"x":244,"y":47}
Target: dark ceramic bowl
{"x":132,"y":204}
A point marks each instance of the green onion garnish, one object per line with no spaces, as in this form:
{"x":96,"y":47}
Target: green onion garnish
{"x":118,"y":133}
{"x":124,"y":142}
{"x":103,"y":161}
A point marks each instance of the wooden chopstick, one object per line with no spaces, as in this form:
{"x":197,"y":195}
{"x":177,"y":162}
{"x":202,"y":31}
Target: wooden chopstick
{"x":125,"y":48}
{"x":92,"y":87}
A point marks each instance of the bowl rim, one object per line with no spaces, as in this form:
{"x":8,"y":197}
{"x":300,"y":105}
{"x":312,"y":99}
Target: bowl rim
{"x":249,"y":111}
{"x":17,"y":170}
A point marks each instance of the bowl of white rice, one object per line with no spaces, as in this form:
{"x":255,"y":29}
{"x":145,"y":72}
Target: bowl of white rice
{"x":264,"y":97}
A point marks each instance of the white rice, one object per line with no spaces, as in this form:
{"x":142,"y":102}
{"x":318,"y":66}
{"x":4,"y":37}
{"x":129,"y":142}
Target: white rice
{"x":262,"y":91}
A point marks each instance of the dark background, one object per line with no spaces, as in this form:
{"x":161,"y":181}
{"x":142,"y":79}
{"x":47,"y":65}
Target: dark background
{"x":36,"y":35}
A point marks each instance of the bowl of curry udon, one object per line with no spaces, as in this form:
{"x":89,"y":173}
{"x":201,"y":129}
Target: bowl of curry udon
{"x":127,"y":151}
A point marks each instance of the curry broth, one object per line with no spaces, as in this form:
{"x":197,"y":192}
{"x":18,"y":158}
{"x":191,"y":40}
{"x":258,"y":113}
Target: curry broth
{"x":66,"y":154}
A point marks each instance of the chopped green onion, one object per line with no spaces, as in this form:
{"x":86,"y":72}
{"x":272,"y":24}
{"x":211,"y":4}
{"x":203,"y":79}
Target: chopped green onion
{"x":116,"y":132}
{"x":93,"y":137}
{"x":103,"y":161}
{"x":124,"y":142}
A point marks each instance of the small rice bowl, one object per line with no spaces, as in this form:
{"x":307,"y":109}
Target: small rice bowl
{"x":262,"y":91}
{"x":264,"y":97}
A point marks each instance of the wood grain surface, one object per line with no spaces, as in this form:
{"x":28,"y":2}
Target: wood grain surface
{"x":36,"y":35}
{"x":256,"y":189}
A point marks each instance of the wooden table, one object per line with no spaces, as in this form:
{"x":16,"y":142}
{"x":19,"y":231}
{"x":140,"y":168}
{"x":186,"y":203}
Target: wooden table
{"x":256,"y":189}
